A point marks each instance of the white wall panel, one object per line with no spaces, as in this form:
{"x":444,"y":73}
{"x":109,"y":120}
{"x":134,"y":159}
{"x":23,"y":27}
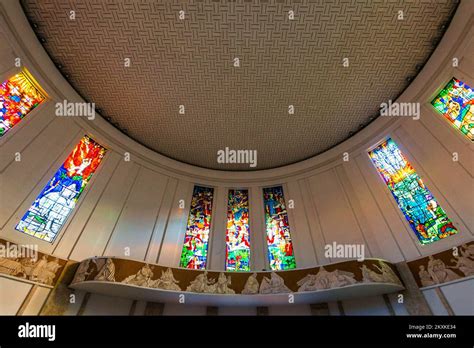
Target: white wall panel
{"x":303,"y":246}
{"x":314,"y":222}
{"x":162,"y":221}
{"x":449,"y":137}
{"x":434,"y":302}
{"x":173,"y":240}
{"x":39,"y":296}
{"x":7,"y":56}
{"x":73,"y":308}
{"x":258,"y":237}
{"x":460,"y":296}
{"x":136,"y":222}
{"x":19,"y":137}
{"x":336,"y":216}
{"x":217,"y":244}
{"x":398,"y":308}
{"x":12,"y":295}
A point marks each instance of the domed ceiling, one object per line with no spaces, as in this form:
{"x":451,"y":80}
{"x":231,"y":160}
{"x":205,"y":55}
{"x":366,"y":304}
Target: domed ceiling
{"x":283,"y":62}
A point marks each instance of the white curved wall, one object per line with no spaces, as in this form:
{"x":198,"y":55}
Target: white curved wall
{"x":136,"y":204}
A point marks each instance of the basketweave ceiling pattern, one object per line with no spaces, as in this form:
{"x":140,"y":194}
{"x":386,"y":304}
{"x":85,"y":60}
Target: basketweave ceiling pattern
{"x":283,"y":62}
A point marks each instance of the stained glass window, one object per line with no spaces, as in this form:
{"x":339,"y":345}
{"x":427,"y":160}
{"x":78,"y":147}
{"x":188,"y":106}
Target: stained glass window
{"x":425,"y":216}
{"x":194,"y":254}
{"x":18,"y":96}
{"x":237,"y":232}
{"x":280,"y":247}
{"x":58,"y":198}
{"x":456,"y":103}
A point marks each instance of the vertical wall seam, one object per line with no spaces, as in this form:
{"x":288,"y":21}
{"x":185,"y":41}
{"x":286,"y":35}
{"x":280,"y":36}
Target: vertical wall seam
{"x":81,"y":200}
{"x":28,"y":143}
{"x":92,"y":212}
{"x":156,"y":219}
{"x":26,"y":301}
{"x":442,"y":144}
{"x":306,"y":220}
{"x":84,"y":302}
{"x":388,"y":304}
{"x":444,"y":300}
{"x":165,"y":228}
{"x":315,"y":209}
{"x":122,"y":208}
{"x":346,"y":196}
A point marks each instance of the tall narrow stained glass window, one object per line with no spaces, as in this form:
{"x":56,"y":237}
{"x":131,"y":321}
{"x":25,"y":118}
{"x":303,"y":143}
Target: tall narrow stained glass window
{"x":425,"y":216}
{"x":456,"y":103}
{"x":280,"y":247}
{"x":18,"y":96}
{"x":196,"y":240}
{"x":58,"y":198}
{"x":238,"y":232}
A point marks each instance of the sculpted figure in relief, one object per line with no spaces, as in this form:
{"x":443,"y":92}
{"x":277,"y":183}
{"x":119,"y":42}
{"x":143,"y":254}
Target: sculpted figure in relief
{"x":274,"y":285}
{"x":11,"y":267}
{"x":439,"y":272}
{"x":28,"y":265}
{"x":464,"y":263}
{"x":468,"y":250}
{"x":48,"y":272}
{"x":40,"y":271}
{"x":167,"y":281}
{"x":425,"y":277}
{"x":82,"y":271}
{"x":202,"y":284}
{"x":222,"y":286}
{"x":39,"y":268}
{"x":369,"y":276}
{"x":326,"y":280}
{"x":388,"y":275}
{"x":106,"y":271}
{"x":251,"y":285}
{"x":142,"y":277}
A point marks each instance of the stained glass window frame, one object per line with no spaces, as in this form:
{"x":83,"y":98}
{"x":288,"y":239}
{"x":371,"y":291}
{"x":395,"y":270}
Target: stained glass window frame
{"x":414,"y":232}
{"x":209,"y":232}
{"x":447,"y":119}
{"x":27,"y":117}
{"x":267,"y":245}
{"x":82,"y":193}
{"x":246,"y":264}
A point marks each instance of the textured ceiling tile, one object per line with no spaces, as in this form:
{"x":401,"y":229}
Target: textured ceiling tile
{"x":282,"y":62}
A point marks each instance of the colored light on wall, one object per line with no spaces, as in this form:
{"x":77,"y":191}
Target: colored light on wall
{"x":18,"y":96}
{"x":456,"y":103}
{"x":196,"y":240}
{"x":280,"y":247}
{"x":425,"y":216}
{"x":238,"y":232}
{"x":58,"y":198}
